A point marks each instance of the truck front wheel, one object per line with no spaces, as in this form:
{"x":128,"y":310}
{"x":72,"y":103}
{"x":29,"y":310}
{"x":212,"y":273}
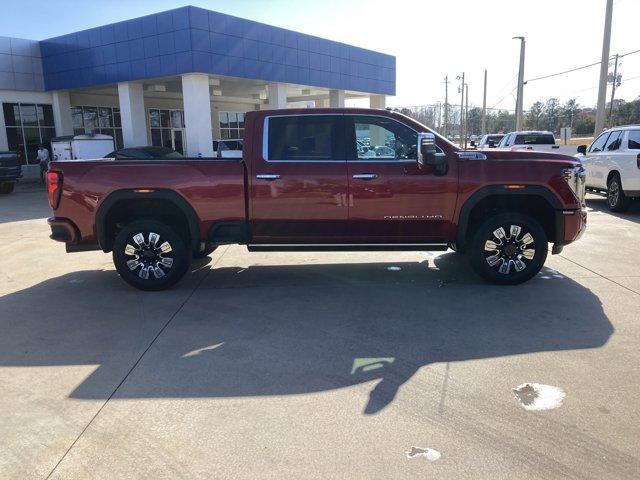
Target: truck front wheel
{"x":150,"y":255}
{"x":508,"y":249}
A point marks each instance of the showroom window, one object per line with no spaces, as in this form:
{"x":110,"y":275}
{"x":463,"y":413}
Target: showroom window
{"x":231,"y":125}
{"x":167,"y":128}
{"x":105,"y":120}
{"x":28,"y":125}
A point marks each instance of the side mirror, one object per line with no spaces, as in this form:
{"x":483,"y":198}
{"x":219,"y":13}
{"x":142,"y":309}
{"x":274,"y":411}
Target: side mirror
{"x":428,"y":154}
{"x":582,"y":149}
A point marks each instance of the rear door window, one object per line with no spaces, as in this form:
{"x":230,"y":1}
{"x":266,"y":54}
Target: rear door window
{"x":613,"y":142}
{"x":599,"y":143}
{"x":305,"y":138}
{"x":634,"y":139}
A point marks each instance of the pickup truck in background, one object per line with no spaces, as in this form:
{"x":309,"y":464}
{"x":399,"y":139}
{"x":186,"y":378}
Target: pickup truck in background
{"x":529,"y":140}
{"x":612,"y":166}
{"x":10,"y":171}
{"x":305,"y":183}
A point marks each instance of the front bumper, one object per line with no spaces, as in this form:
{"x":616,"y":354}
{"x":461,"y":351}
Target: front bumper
{"x":570,"y":226}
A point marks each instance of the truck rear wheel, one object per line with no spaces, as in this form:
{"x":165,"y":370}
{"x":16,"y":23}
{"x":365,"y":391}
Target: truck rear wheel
{"x":508,"y":249}
{"x":7,"y":187}
{"x":616,"y":199}
{"x":150,"y":255}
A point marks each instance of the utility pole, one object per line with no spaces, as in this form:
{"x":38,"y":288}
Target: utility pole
{"x":446,"y":104}
{"x":466,"y":113}
{"x":604,"y":69}
{"x":483,"y":128}
{"x":614,"y":82}
{"x":461,"y":91}
{"x":519,"y":99}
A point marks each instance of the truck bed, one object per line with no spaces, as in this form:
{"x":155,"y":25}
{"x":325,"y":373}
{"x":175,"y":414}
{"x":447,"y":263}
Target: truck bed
{"x":215,"y":188}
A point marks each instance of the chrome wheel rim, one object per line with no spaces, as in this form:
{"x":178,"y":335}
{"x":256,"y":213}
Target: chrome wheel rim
{"x":149,"y":256}
{"x":509,"y":249}
{"x":614,"y":193}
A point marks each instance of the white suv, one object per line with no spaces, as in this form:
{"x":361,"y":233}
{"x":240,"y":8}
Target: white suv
{"x":529,"y":140}
{"x":612,"y":164}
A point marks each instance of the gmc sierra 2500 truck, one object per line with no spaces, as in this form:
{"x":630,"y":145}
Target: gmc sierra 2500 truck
{"x":322,"y":179}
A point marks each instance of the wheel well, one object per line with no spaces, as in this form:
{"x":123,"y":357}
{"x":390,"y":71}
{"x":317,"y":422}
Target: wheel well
{"x":125,"y":211}
{"x":535,"y":206}
{"x":612,"y":173}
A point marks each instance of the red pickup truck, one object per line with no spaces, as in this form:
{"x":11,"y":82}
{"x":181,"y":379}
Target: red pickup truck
{"x":322,"y":179}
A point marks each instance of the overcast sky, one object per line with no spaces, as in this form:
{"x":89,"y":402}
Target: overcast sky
{"x":430,"y":38}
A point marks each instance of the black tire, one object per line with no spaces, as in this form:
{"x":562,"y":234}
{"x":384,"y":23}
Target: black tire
{"x":133,"y":255}
{"x":617,"y":201}
{"x":7,"y":187}
{"x":516,"y":257}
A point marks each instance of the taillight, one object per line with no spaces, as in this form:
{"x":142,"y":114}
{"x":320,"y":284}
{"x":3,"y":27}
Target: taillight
{"x":54,"y":188}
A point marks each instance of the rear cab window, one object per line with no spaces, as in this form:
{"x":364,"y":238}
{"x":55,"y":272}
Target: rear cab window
{"x":535,"y":139}
{"x":304,"y":138}
{"x":614,"y":140}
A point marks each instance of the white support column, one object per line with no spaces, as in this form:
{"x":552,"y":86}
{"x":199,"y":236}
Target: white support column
{"x":377,"y":101}
{"x":134,"y":125}
{"x":197,"y":114}
{"x":62,"y":113}
{"x":4,"y":143}
{"x":277,"y":95}
{"x":336,"y":98}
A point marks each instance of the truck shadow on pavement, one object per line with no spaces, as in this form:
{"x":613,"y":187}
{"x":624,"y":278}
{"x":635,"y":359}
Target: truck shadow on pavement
{"x":290,"y":329}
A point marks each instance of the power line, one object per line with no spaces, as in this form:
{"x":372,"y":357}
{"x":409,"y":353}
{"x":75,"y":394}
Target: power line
{"x":578,"y":68}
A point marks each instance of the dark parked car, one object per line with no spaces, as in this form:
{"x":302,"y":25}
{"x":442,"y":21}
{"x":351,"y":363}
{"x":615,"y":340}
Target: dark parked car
{"x":10,"y":171}
{"x":144,"y":152}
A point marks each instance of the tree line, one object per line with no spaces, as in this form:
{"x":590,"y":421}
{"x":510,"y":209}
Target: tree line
{"x":550,"y":115}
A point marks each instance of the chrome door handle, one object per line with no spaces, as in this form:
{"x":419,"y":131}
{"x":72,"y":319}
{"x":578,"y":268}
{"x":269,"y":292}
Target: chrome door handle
{"x":365,"y":176}
{"x":268,"y":176}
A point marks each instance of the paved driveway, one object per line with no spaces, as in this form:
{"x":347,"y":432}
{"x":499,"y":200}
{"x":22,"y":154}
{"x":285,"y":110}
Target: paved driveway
{"x":316,"y":365}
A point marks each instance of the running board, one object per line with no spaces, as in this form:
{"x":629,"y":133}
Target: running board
{"x":347,"y":247}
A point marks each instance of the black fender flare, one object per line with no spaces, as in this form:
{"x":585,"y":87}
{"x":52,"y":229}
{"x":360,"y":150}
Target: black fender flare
{"x":491,"y":190}
{"x":160,"y":194}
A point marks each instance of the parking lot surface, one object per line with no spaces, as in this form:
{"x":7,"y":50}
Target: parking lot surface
{"x":317,"y":365}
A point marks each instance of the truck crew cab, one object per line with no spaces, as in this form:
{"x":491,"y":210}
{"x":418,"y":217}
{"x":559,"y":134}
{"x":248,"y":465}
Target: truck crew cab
{"x":321,"y":180}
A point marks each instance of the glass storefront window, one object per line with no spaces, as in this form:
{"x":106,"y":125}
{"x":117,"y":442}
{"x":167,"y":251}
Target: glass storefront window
{"x":28,"y":115}
{"x":231,"y":125}
{"x":28,"y":125}
{"x":90,"y":118}
{"x":177,"y":119}
{"x":11,"y":114}
{"x":104,"y":120}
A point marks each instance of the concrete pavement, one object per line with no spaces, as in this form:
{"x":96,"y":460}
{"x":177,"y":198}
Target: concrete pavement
{"x":315,"y":365}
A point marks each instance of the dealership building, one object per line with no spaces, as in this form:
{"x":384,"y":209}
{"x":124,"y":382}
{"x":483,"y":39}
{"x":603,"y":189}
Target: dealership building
{"x":180,"y":78}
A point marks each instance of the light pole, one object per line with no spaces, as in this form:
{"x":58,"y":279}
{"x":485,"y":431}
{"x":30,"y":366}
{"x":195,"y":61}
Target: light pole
{"x":520,"y":85}
{"x":604,"y":69}
{"x":461,"y":91}
{"x":483,"y":128}
{"x":446,"y":104}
